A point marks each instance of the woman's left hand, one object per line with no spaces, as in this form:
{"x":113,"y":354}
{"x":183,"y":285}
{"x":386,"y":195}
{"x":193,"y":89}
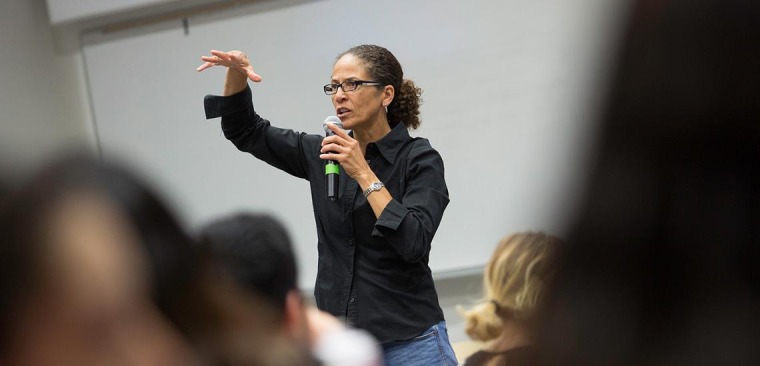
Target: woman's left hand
{"x":346,"y":150}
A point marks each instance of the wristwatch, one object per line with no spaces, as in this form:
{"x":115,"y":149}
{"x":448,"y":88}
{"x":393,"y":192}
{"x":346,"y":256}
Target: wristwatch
{"x":373,"y":187}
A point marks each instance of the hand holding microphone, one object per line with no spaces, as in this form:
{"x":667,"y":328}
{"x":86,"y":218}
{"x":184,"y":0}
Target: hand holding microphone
{"x":340,"y":147}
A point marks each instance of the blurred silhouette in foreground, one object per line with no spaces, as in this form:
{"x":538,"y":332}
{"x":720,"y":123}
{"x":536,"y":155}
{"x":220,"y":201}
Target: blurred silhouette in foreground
{"x":96,"y":270}
{"x":515,"y":277}
{"x":76,"y":285}
{"x":255,"y":250}
{"x":661,"y":265}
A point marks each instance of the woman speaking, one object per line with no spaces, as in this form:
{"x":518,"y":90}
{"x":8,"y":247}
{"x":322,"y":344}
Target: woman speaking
{"x":373,"y":240}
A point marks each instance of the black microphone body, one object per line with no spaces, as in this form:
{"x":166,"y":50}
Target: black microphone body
{"x":332,"y":168}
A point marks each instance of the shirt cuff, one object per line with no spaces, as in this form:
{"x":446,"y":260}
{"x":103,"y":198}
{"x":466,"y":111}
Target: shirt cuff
{"x":217,"y":106}
{"x":391,"y":218}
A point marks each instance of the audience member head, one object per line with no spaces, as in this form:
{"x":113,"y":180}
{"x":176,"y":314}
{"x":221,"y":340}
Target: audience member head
{"x":513,"y":285}
{"x":76,"y":282}
{"x":255,"y":250}
{"x":661,"y":266}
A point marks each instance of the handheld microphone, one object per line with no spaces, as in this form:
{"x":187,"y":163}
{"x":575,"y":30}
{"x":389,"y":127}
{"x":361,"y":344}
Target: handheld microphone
{"x":332,"y":168}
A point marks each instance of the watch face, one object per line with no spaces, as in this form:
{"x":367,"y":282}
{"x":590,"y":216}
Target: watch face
{"x":376,"y":186}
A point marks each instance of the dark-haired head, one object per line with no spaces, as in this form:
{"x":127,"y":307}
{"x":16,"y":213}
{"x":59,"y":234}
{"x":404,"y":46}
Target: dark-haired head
{"x":256,"y":250}
{"x":383,"y":67}
{"x":89,"y":246}
{"x":168,"y":247}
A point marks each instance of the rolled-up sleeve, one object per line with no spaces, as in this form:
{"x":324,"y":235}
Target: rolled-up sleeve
{"x":218,"y":106}
{"x":408,"y":223}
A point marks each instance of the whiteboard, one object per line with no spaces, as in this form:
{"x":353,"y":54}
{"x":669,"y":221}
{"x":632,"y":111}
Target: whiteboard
{"x":508,"y":89}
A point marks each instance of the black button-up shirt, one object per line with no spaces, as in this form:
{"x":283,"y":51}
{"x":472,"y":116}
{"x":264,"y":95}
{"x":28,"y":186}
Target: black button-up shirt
{"x":372,"y":271}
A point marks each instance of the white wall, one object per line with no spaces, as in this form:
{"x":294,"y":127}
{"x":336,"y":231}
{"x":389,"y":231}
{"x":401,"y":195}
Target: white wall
{"x":43,"y":99}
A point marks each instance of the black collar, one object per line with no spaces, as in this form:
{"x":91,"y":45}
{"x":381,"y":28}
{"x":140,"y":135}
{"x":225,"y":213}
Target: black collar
{"x":391,"y":143}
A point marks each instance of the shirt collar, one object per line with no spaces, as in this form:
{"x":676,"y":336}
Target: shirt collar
{"x":391,"y":144}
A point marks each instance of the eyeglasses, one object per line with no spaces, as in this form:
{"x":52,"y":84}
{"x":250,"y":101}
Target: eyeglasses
{"x":347,"y":86}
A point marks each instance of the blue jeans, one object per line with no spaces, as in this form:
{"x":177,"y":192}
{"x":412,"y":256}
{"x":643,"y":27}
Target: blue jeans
{"x":430,"y":348}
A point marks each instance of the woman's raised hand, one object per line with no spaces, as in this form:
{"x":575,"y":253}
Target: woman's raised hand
{"x":235,"y":59}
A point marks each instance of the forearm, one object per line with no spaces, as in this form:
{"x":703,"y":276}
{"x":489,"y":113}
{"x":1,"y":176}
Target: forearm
{"x":378,"y":199}
{"x":235,"y":82}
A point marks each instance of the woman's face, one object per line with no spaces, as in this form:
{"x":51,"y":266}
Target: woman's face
{"x":360,"y":108}
{"x":92,"y":304}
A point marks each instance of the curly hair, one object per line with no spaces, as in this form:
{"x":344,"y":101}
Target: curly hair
{"x":383,"y":67}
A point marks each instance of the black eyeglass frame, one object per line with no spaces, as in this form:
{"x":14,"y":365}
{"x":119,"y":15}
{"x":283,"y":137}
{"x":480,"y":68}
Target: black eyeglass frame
{"x":356,"y":84}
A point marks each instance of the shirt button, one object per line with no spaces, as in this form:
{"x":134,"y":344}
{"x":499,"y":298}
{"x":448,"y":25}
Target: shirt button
{"x":367,"y":161}
{"x":352,"y":300}
{"x":350,"y":242}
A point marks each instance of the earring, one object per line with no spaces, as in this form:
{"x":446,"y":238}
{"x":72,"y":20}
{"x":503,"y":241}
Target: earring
{"x":386,"y":108}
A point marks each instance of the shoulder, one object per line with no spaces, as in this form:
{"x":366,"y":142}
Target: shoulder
{"x":420,"y":145}
{"x":421,"y":151}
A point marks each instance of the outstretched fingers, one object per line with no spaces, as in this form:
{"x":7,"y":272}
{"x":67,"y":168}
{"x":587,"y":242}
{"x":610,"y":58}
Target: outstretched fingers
{"x":222,"y":56}
{"x":205,"y":65}
{"x":233,"y":59}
